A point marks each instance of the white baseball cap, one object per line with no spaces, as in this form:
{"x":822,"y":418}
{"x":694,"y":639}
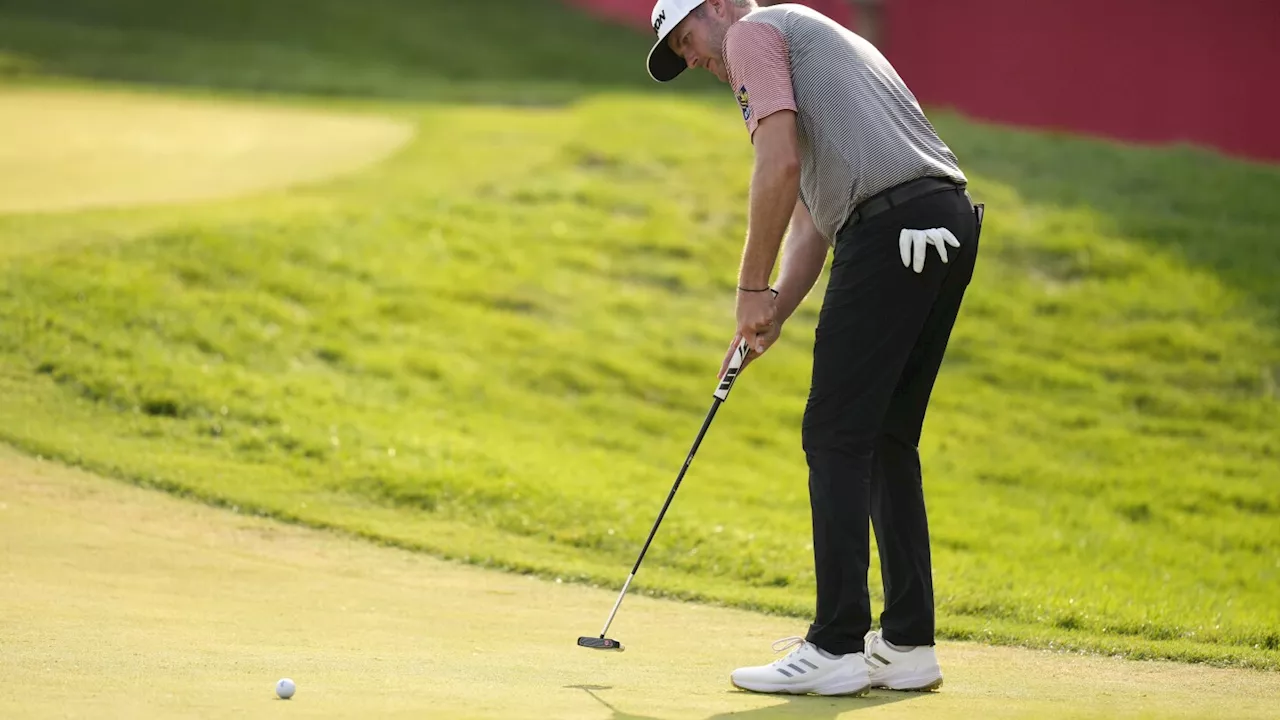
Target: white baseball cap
{"x":664,"y":63}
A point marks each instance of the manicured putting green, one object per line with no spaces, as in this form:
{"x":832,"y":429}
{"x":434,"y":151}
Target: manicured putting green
{"x":64,"y":149}
{"x":121,"y":602}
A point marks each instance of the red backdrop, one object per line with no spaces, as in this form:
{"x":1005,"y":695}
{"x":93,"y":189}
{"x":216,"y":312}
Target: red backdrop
{"x":637,"y":11}
{"x":1151,"y":71}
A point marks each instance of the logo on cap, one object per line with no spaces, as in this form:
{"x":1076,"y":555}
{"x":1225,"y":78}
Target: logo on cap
{"x":657,"y":23}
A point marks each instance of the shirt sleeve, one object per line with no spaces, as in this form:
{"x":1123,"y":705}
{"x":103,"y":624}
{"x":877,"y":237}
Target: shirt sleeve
{"x":759,"y":65}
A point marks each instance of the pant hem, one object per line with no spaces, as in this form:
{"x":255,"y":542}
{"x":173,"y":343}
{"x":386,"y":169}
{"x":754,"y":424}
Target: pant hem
{"x":839,"y":648}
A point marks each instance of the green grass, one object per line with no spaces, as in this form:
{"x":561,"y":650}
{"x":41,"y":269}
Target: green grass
{"x":519,"y":52}
{"x":499,"y":345}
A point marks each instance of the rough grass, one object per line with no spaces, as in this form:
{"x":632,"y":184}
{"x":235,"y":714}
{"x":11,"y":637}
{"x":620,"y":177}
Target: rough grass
{"x":499,"y":345}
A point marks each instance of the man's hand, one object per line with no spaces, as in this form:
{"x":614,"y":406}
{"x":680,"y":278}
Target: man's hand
{"x":766,"y":341}
{"x":760,"y":328}
{"x":758,"y":322}
{"x":757,"y":313}
{"x":914,"y":243}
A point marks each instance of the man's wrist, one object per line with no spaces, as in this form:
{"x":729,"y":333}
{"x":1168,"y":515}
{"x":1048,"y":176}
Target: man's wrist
{"x":786,"y":305}
{"x":753,"y":280}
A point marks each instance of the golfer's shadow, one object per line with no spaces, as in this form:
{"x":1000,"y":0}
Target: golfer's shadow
{"x":810,"y":707}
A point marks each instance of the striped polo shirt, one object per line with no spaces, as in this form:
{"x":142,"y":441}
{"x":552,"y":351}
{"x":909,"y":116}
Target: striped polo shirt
{"x":860,"y":129}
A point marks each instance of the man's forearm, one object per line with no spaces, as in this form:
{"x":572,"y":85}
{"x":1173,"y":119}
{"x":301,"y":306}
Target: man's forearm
{"x":803,"y":258}
{"x":773,"y":191}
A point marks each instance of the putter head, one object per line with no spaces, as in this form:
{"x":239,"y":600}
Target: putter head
{"x":600,"y":643}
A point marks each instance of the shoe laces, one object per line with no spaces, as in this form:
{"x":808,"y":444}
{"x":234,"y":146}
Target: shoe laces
{"x":785,"y":644}
{"x":870,"y":639}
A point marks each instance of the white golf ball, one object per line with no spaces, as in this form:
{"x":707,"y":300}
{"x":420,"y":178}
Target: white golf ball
{"x":285,"y":688}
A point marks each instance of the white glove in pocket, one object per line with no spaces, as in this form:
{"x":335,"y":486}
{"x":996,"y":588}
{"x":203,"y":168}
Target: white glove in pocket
{"x":914,"y":242}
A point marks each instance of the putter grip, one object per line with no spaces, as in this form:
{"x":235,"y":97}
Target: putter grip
{"x":731,"y":373}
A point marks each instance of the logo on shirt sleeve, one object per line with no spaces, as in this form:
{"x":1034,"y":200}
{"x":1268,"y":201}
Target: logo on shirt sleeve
{"x":744,"y":101}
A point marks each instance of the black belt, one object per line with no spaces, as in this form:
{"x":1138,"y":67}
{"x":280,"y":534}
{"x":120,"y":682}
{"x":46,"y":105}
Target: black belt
{"x":897,"y":195}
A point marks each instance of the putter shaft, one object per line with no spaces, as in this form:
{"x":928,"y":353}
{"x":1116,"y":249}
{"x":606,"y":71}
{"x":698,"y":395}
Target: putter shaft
{"x":715,"y":405}
{"x":616,"y":605}
{"x":720,"y":395}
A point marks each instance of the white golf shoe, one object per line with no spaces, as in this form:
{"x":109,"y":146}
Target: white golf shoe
{"x":806,"y":670}
{"x":914,"y":668}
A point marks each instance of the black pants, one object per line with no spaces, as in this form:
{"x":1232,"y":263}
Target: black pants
{"x":880,"y":339}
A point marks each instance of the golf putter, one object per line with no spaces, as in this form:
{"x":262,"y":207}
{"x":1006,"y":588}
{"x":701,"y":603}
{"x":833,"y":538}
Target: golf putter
{"x":720,"y":395}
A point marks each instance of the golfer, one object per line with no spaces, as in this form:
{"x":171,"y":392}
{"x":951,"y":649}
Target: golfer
{"x":845,"y":158}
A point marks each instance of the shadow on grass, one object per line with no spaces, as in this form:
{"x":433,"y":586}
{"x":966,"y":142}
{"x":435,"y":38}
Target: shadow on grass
{"x":810,"y":707}
{"x":517,"y":51}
